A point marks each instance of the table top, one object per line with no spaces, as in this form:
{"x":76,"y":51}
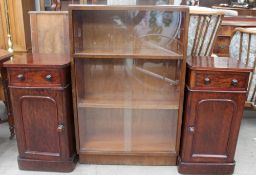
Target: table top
{"x":217,"y":64}
{"x":232,"y":8}
{"x":38,"y":60}
{"x":239,"y":21}
{"x":4,"y":56}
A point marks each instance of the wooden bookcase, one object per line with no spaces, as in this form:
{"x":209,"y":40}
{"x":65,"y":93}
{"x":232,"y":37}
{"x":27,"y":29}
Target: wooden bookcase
{"x":128,"y":70}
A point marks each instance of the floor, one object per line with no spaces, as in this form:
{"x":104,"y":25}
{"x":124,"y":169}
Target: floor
{"x":245,"y":157}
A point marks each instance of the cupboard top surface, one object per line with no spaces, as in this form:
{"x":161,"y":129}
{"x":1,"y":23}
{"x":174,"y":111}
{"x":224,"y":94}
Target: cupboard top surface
{"x":217,"y":64}
{"x":38,"y":60}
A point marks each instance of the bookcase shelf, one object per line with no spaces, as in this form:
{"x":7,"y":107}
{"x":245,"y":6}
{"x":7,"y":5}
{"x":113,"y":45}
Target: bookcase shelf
{"x":128,"y":105}
{"x":127,"y":130}
{"x":142,"y":54}
{"x":116,"y":144}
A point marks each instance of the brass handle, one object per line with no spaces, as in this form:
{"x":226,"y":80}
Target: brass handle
{"x":234,"y":82}
{"x":21,"y":77}
{"x":191,"y":129}
{"x":48,"y":77}
{"x":60,"y":128}
{"x":207,"y":81}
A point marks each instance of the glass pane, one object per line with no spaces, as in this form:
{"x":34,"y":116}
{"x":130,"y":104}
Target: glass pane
{"x":127,"y":104}
{"x":131,"y":33}
{"x":128,"y":83}
{"x":127,"y":130}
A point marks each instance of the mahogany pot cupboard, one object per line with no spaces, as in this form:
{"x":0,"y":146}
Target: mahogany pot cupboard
{"x":40,"y":92}
{"x":127,"y":69}
{"x":215,"y":97}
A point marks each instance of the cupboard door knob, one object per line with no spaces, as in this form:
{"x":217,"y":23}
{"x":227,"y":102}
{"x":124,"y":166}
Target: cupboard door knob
{"x":207,"y":81}
{"x":234,"y":82}
{"x":191,"y":129}
{"x":21,"y":77}
{"x":48,"y":77}
{"x":60,"y":128}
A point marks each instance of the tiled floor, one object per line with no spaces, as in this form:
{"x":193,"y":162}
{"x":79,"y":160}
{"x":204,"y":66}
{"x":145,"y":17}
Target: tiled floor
{"x":245,"y":157}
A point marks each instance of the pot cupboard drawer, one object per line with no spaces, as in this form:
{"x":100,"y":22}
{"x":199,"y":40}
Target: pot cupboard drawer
{"x":37,"y":77}
{"x":218,"y":80}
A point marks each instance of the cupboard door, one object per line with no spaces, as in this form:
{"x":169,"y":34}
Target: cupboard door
{"x":39,"y":132}
{"x":212,"y":126}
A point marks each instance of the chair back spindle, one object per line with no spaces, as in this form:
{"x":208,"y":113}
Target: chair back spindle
{"x":245,"y":52}
{"x":203,"y":27}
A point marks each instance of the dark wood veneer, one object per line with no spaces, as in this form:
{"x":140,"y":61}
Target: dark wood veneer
{"x":38,"y":77}
{"x":218,"y":80}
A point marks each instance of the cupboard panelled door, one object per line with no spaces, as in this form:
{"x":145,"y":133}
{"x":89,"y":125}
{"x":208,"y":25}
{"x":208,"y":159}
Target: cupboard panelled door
{"x":210,"y":127}
{"x":38,"y":115}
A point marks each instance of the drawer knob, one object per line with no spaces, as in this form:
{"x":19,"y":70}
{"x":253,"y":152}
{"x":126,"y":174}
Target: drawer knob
{"x":48,"y":77}
{"x":21,"y":77}
{"x":234,"y":82}
{"x":60,"y":128}
{"x":207,"y":81}
{"x":191,"y":129}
